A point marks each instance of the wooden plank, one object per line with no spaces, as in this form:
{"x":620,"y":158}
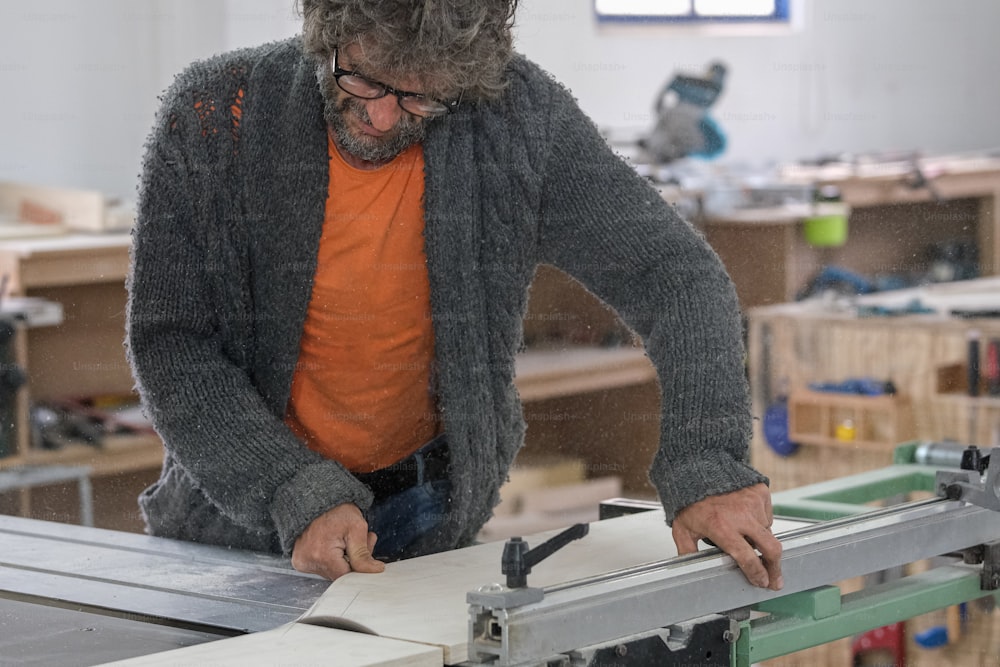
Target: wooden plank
{"x":124,"y":454}
{"x":75,"y":268}
{"x":299,"y":644}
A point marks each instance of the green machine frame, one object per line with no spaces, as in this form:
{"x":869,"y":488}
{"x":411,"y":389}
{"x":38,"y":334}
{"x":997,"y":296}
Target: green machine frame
{"x":809,"y":618}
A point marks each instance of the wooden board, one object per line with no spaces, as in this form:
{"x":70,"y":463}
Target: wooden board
{"x":44,"y":205}
{"x":299,"y":644}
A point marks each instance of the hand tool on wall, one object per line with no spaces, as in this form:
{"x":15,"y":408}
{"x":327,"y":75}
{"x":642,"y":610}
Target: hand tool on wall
{"x":12,"y":378}
{"x":775,"y":421}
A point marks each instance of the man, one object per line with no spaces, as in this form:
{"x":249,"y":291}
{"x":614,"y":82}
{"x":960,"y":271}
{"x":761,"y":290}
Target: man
{"x":335,"y":242}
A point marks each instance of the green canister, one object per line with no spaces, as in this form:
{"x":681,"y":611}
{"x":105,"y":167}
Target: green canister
{"x":826,"y":227}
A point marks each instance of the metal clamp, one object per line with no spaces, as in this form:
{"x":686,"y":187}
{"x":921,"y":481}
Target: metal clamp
{"x":969,"y":485}
{"x":516,"y":563}
{"x":990,"y":577}
{"x":517,"y":560}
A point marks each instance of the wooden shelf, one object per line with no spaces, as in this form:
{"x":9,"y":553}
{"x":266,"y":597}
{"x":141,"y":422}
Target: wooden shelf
{"x":878,"y":422}
{"x":567,"y":371}
{"x":69,"y":259}
{"x":119,"y":454}
{"x":589,"y":391}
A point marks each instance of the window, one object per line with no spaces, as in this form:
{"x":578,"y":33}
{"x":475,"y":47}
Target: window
{"x":694,"y":11}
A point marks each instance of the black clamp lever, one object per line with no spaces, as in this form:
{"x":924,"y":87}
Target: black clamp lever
{"x":974,"y":459}
{"x":517,"y":559}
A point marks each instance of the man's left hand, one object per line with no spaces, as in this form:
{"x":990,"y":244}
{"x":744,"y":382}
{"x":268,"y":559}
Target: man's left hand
{"x":738,"y":523}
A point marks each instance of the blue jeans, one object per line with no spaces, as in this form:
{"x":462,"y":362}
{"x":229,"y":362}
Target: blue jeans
{"x":401,"y":519}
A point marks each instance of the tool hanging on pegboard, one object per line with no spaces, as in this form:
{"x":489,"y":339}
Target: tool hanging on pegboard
{"x":12,"y":378}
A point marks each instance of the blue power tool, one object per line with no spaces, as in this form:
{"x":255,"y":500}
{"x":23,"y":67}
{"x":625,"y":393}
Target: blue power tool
{"x":683,"y":127}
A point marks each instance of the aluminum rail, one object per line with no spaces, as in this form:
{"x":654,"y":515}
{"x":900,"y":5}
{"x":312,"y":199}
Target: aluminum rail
{"x":623,"y":603}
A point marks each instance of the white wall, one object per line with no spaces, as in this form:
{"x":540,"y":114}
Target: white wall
{"x":252,"y":22}
{"x":79,"y":83}
{"x":79,"y":80}
{"x":860,"y":76}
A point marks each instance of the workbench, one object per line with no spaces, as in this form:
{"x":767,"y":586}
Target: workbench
{"x":893,"y":220}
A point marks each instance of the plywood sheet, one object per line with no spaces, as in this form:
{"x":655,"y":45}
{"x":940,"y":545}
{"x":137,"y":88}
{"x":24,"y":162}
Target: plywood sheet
{"x":298,"y":644}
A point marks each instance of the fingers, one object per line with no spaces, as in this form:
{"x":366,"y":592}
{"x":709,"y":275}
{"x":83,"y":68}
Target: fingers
{"x":770,"y":554}
{"x":686,"y":542}
{"x":741,"y":548}
{"x":358,"y":550}
{"x":330,"y":563}
{"x":739,"y":523}
{"x":766,"y":543}
{"x":336,"y":543}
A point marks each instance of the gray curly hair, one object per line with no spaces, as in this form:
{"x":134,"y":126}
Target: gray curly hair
{"x":453,"y":46}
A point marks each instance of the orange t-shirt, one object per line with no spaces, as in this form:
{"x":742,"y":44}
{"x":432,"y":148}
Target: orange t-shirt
{"x":361,"y":391}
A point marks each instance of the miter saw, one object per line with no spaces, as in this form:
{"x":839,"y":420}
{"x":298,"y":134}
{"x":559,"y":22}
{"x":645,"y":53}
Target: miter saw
{"x":683,"y":126}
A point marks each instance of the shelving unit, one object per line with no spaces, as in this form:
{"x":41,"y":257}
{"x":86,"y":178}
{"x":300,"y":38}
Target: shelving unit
{"x":796,"y":344}
{"x":590,"y":393}
{"x":84,"y":355}
{"x":977,"y":417}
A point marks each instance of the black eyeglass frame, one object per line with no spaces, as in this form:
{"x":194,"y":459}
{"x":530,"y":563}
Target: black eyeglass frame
{"x":401,"y":95}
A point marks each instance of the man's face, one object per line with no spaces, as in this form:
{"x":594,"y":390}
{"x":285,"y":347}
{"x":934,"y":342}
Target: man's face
{"x":373,"y":130}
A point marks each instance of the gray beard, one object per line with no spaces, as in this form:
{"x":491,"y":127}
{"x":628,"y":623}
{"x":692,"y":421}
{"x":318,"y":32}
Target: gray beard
{"x":407,"y":132}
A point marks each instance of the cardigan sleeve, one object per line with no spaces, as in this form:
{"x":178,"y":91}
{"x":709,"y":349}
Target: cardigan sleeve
{"x":214,"y":423}
{"x":606,"y":226}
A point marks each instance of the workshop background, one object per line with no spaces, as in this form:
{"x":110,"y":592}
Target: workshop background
{"x":848,"y":177}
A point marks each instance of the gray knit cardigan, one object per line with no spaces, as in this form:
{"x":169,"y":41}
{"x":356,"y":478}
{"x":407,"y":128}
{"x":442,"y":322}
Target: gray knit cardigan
{"x":223,"y":260}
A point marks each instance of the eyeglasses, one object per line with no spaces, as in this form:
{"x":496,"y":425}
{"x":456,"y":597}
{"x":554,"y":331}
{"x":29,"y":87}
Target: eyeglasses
{"x":363,"y":87}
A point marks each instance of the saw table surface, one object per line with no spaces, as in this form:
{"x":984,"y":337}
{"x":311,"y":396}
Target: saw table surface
{"x":72,"y":595}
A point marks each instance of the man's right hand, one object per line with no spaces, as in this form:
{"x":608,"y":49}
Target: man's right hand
{"x":336,"y":543}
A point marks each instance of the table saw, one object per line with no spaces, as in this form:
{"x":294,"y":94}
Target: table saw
{"x":613,"y":592}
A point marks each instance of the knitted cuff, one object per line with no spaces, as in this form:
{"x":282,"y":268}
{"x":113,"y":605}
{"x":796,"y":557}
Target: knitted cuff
{"x":680,"y":485}
{"x":313,"y":491}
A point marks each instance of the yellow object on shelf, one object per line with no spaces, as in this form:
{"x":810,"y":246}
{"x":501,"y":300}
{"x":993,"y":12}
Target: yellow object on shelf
{"x":845,"y":431}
